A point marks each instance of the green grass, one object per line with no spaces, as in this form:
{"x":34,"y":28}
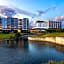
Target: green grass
{"x":6,"y":36}
{"x":62,"y":62}
{"x":56,"y":34}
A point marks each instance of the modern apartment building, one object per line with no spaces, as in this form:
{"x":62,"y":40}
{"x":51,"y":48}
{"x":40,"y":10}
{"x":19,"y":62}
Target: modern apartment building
{"x":12,"y":24}
{"x":25,"y":24}
{"x":8,"y":23}
{"x":54,"y":24}
{"x":20,"y":24}
{"x":0,"y":23}
{"x":43,"y":25}
{"x":15,"y":24}
{"x":4,"y":23}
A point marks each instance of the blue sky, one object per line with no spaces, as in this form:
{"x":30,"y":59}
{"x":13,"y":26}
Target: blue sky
{"x":34,"y":5}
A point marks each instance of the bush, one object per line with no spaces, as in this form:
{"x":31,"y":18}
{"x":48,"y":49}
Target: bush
{"x":54,"y":30}
{"x":17,"y":34}
{"x":51,"y":30}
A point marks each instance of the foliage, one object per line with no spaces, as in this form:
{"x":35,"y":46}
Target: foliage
{"x":54,"y":30}
{"x":17,"y":34}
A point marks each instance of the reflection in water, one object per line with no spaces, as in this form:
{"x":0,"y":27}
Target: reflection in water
{"x":24,"y":52}
{"x":57,"y":47}
{"x":0,"y":42}
{"x":23,"y":44}
{"x":50,"y":45}
{"x":17,"y":44}
{"x":10,"y":43}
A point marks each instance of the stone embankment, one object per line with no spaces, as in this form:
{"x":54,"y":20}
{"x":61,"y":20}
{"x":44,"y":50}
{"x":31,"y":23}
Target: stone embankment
{"x":56,"y":40}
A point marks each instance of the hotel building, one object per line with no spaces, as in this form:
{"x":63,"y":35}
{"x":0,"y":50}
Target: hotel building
{"x":25,"y":24}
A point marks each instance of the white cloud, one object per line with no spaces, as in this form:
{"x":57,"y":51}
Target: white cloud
{"x":3,"y":2}
{"x":11,"y":4}
{"x":7,"y":2}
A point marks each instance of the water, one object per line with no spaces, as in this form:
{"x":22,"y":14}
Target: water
{"x":24,"y":52}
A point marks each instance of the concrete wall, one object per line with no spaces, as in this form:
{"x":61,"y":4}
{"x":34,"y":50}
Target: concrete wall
{"x":56,"y":40}
{"x":60,"y":40}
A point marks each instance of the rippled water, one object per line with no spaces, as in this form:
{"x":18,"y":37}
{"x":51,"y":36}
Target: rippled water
{"x":24,"y":52}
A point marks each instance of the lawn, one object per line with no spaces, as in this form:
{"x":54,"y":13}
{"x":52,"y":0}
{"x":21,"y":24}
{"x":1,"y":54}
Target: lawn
{"x":62,"y":62}
{"x":6,"y":36}
{"x":9,"y":35}
{"x":56,"y":34}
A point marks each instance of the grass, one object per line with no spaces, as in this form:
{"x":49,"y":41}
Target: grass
{"x":56,"y":34}
{"x":62,"y":62}
{"x":7,"y":36}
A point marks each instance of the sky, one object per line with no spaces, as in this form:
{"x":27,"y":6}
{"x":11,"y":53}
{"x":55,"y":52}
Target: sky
{"x":35,"y":5}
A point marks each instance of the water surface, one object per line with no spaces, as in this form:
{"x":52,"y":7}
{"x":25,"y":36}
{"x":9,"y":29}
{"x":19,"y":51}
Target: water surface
{"x":24,"y":52}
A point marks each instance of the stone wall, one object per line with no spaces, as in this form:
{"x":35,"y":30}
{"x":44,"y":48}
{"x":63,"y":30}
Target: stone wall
{"x":56,"y":40}
{"x":60,"y":40}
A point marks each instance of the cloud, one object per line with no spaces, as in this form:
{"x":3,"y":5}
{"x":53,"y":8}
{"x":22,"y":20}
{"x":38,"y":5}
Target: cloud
{"x":12,"y":4}
{"x":3,"y":2}
{"x":7,"y":2}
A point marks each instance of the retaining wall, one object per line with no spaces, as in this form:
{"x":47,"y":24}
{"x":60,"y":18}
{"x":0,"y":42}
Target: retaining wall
{"x":56,"y":40}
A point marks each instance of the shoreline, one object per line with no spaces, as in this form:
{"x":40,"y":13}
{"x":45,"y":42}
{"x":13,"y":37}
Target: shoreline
{"x":53,"y":40}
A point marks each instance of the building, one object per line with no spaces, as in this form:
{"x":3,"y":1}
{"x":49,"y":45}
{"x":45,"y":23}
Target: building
{"x":54,"y":24}
{"x":0,"y":23}
{"x":25,"y":24}
{"x":20,"y":24}
{"x":8,"y":23}
{"x":61,"y":19}
{"x":15,"y":20}
{"x":4,"y":23}
{"x":12,"y":23}
{"x":41,"y":25}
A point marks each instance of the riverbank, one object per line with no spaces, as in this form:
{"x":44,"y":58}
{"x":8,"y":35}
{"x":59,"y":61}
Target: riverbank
{"x":10,"y":35}
{"x":6,"y":36}
{"x":55,"y":62}
{"x":56,"y":38}
{"x":55,"y":34}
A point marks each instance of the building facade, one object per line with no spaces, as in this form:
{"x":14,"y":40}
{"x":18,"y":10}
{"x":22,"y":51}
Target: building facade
{"x":4,"y":23}
{"x":54,"y":24}
{"x":12,"y":24}
{"x":25,"y":24}
{"x":8,"y":23}
{"x":15,"y":20}
{"x":20,"y":24}
{"x":0,"y":23}
{"x":41,"y":24}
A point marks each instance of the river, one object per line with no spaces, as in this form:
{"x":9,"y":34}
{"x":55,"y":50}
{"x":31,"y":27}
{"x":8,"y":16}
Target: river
{"x":26,"y":52}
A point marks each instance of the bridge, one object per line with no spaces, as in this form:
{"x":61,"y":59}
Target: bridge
{"x":25,"y":36}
